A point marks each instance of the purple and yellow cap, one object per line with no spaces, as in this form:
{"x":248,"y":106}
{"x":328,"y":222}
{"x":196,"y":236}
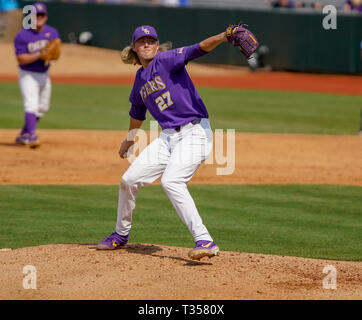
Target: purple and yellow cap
{"x":143,"y":31}
{"x":40,"y":7}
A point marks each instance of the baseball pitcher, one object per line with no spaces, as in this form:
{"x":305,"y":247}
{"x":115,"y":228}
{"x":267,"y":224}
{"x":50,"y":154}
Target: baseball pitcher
{"x":163,"y":87}
{"x":34,"y":49}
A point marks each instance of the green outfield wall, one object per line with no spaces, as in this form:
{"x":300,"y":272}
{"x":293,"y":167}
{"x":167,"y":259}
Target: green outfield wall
{"x":297,"y":40}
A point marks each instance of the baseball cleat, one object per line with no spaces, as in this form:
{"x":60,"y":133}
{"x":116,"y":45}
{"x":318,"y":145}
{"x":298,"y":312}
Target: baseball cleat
{"x":27,"y":139}
{"x":114,"y":241}
{"x":22,"y":139}
{"x":203,"y":248}
{"x":34,"y":141}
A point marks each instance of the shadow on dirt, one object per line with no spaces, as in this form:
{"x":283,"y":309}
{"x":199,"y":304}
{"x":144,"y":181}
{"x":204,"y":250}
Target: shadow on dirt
{"x":151,"y":249}
{"x":12,"y":144}
{"x":155,"y":251}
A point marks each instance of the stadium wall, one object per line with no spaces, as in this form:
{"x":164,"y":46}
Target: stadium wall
{"x":296,"y":39}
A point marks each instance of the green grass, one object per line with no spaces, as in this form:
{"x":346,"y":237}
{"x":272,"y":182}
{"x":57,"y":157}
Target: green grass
{"x":307,"y":221}
{"x":106,"y":107}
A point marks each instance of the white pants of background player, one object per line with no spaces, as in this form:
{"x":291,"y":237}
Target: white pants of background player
{"x":35,"y":88}
{"x":175,"y":156}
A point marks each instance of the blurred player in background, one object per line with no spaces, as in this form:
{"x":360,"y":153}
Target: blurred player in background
{"x":283,"y":4}
{"x":353,"y":5}
{"x":35,"y":86}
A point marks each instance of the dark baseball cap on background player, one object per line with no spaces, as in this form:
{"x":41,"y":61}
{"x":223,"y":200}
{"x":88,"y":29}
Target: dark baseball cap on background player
{"x":40,"y":8}
{"x":144,"y":31}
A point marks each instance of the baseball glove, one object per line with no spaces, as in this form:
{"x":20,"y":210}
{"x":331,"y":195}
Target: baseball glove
{"x":242,"y":38}
{"x":51,"y":51}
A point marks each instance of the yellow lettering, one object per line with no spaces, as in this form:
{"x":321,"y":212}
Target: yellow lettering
{"x":160,"y":83}
{"x":152,"y":85}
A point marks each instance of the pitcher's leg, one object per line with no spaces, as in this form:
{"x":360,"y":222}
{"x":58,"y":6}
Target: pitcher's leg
{"x":179,"y":195}
{"x":145,"y":169}
{"x":185,"y":159}
{"x":127,"y":195}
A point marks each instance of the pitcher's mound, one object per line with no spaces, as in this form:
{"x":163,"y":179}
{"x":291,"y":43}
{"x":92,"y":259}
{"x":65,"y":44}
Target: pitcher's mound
{"x":149,"y":272}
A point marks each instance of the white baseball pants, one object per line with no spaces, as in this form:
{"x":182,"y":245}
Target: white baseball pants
{"x":35,"y":88}
{"x":175,"y":156}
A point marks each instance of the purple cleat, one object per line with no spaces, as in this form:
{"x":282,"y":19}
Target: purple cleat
{"x":27,"y":139}
{"x":203,"y":248}
{"x":114,"y":241}
{"x":34,"y":141}
{"x":22,"y":139}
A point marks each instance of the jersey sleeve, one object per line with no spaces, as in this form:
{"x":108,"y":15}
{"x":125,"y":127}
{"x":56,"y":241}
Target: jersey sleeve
{"x":138,"y":109}
{"x":176,"y":59}
{"x":20,"y":45}
{"x":54,"y":34}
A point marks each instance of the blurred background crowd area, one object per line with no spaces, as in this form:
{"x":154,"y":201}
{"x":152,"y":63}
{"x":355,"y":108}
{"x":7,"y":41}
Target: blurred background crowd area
{"x":352,"y":6}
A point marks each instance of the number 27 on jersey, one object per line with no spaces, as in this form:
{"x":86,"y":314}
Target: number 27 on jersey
{"x":164,"y":101}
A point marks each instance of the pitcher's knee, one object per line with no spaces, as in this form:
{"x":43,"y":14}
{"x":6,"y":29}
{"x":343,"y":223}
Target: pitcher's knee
{"x":42,"y":112}
{"x":168,"y":183}
{"x":132,"y":178}
{"x":127,"y":181}
{"x":30,"y":108}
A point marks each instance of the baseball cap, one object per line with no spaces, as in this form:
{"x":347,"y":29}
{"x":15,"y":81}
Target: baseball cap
{"x":143,"y":31}
{"x":40,"y":7}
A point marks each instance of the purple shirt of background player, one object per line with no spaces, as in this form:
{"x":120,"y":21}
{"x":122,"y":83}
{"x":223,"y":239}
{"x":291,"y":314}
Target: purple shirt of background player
{"x":355,"y":6}
{"x":30,"y":41}
{"x":284,"y":4}
{"x":166,"y":90}
{"x":34,"y":80}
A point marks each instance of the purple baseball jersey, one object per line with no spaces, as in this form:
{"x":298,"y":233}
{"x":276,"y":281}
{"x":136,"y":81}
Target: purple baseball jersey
{"x":165,"y":89}
{"x":29,"y":41}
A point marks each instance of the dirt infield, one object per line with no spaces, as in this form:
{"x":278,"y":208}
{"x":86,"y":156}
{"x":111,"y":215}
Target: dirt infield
{"x":72,"y":157}
{"x":146,"y":271}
